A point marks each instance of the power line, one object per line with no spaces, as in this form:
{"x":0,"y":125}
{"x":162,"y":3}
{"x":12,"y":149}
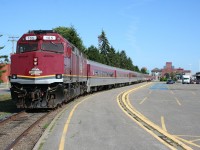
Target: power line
{"x":13,"y":40}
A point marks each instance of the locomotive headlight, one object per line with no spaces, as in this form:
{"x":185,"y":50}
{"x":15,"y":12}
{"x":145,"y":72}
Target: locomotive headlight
{"x":14,"y":76}
{"x":58,"y":76}
{"x":35,"y":61}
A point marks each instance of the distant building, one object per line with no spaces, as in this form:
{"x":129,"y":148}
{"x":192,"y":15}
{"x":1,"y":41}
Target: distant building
{"x":156,"y":73}
{"x":167,"y":70}
{"x":5,"y":76}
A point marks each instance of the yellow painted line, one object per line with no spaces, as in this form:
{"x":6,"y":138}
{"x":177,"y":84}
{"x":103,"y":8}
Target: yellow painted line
{"x":143,"y":118}
{"x":186,"y":141}
{"x":163,"y":123}
{"x":143,"y":100}
{"x":178,"y":101}
{"x":62,"y":141}
{"x":194,"y":140}
{"x":193,"y":136}
{"x":126,"y":101}
{"x":64,"y":75}
{"x":36,"y":76}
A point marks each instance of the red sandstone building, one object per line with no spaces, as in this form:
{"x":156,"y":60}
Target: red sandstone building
{"x":168,"y":69}
{"x":5,"y":76}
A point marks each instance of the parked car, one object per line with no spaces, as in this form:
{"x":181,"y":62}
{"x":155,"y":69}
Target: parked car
{"x":197,"y":81}
{"x":170,"y":81}
{"x":192,"y":81}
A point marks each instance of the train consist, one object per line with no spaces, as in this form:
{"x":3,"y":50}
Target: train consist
{"x":47,"y":70}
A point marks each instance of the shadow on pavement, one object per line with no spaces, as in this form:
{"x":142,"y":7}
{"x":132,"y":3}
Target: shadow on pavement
{"x":7,"y":106}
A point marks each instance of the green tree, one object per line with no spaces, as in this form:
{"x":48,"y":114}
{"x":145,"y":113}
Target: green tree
{"x":167,"y":75}
{"x":123,"y":57}
{"x":3,"y":61}
{"x":130,"y":64}
{"x":144,"y":70}
{"x":173,"y":75}
{"x":93,"y":54}
{"x":136,"y":69}
{"x":72,"y":36}
{"x":117,"y":60}
{"x":106,"y":54}
{"x":104,"y":48}
{"x":111,"y":56}
{"x":104,"y":45}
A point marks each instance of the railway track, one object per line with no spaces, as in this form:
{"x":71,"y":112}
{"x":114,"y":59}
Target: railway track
{"x":12,"y":117}
{"x":14,"y":128}
{"x":161,"y":135}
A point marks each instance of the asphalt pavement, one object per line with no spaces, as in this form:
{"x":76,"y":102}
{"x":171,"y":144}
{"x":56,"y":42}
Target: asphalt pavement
{"x":96,"y":122}
{"x":174,"y":108}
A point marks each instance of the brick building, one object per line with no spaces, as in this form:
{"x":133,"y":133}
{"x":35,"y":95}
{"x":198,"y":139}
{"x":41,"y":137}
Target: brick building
{"x":5,"y":75}
{"x":167,"y":70}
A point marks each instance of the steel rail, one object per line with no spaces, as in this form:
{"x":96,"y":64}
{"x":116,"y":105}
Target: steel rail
{"x":11,"y":146}
{"x":12,"y":117}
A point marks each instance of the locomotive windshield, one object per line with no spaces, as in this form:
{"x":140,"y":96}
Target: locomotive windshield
{"x":53,"y":47}
{"x":45,"y":46}
{"x":27,"y":47}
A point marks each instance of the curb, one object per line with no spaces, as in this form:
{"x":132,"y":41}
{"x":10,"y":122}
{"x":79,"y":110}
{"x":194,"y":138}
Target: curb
{"x":46,"y":133}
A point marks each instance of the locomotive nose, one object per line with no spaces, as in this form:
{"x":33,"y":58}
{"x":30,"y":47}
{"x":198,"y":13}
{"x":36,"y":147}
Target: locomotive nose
{"x":35,"y":67}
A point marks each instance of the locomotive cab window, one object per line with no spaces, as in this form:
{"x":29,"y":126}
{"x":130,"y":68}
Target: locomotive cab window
{"x":53,"y":47}
{"x":27,"y":47}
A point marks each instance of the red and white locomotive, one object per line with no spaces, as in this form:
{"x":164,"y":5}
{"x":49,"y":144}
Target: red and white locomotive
{"x":47,"y":70}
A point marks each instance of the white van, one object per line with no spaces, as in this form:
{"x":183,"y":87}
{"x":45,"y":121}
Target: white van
{"x":186,"y":79}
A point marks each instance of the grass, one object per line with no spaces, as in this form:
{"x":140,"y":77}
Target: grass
{"x":45,"y":126}
{"x":41,"y":146}
{"x":4,"y":97}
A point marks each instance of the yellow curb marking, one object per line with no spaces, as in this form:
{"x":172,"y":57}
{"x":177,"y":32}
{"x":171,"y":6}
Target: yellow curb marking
{"x":126,"y":101}
{"x":62,"y":141}
{"x":163,"y":123}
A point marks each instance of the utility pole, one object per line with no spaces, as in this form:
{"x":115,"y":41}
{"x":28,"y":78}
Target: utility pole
{"x":199,"y":65}
{"x":13,"y":40}
{"x":1,"y":47}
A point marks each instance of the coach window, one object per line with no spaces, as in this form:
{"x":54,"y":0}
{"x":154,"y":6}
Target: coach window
{"x":111,"y":74}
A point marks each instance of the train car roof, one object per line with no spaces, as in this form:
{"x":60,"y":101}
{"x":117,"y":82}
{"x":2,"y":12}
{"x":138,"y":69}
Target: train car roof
{"x":99,"y":64}
{"x":108,"y":67}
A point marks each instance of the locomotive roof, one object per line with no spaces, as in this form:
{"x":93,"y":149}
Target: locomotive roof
{"x":41,"y":31}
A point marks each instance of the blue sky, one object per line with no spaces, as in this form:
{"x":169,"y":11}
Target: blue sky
{"x":152,"y":32}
